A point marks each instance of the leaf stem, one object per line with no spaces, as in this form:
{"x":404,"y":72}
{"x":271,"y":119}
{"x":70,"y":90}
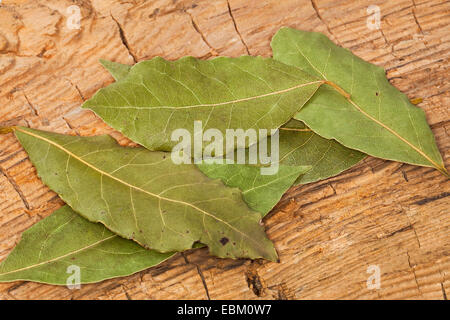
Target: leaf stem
{"x":5,"y":130}
{"x":339,"y":89}
{"x":295,"y":129}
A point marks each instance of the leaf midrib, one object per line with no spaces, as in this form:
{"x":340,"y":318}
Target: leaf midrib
{"x":348,"y":97}
{"x":274,"y":181}
{"x":59,"y":258}
{"x":214,"y":104}
{"x":137,"y":188}
{"x":418,"y":150}
{"x":355,"y":105}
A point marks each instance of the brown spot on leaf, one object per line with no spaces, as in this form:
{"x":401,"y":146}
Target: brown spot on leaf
{"x":224,"y":241}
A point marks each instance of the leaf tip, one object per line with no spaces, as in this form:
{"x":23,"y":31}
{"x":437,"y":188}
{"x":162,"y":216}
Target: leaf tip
{"x":444,"y":171}
{"x":273,"y":256}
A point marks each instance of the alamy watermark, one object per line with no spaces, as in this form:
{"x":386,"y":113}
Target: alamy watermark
{"x":374,"y":280}
{"x":211,"y":146}
{"x":74,"y":280}
{"x":74,"y":17}
{"x":373,"y":21}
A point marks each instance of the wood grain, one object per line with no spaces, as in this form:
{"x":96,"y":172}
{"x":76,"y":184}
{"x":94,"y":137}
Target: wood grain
{"x":328,"y":233}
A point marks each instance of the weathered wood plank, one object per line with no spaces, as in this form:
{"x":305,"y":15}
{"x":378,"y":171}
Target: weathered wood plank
{"x":327,"y":234}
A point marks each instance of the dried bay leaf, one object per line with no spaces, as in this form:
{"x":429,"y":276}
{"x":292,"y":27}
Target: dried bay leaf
{"x":22,"y":263}
{"x":260,"y":192}
{"x":299,"y":146}
{"x":101,"y":254}
{"x":360,"y":108}
{"x":117,"y":70}
{"x":158,"y":96}
{"x":65,"y":239}
{"x":115,"y":264}
{"x":142,"y":195}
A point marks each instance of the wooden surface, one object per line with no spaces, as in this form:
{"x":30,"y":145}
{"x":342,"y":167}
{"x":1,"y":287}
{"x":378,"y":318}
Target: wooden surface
{"x":328,"y":233}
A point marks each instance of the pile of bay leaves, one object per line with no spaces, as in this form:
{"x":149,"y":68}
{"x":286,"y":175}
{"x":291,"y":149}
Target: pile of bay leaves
{"x":130,"y":208}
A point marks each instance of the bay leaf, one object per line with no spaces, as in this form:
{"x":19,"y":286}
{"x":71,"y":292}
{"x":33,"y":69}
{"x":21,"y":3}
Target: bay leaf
{"x":260,"y":192}
{"x":101,"y":254}
{"x":298,"y":145}
{"x":359,"y":107}
{"x":157,"y":97}
{"x":142,"y":195}
{"x":21,"y":264}
{"x":52,"y":249}
{"x":117,"y":70}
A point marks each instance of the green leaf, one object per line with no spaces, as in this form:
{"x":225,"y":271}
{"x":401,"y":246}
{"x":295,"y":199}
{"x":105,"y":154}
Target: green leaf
{"x":260,"y":192}
{"x":101,"y":254}
{"x":299,"y":146}
{"x":142,"y":195}
{"x":359,"y":108}
{"x":159,"y":96}
{"x":65,"y":239}
{"x":117,"y":70}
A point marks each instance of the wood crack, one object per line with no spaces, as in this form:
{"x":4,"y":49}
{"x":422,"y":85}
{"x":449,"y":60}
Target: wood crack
{"x":415,"y":17}
{"x":124,"y":39}
{"x":413,"y":268}
{"x":125,"y":290}
{"x":16,"y":187}
{"x":77,"y":89}
{"x":444,"y":295}
{"x":316,"y":9}
{"x":200,"y":273}
{"x":405,"y":176}
{"x":31,"y":106}
{"x":415,"y":233}
{"x":197,"y":29}
{"x":230,"y":12}
{"x":70,"y":126}
{"x":431,"y":199}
